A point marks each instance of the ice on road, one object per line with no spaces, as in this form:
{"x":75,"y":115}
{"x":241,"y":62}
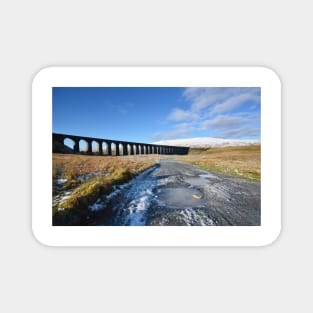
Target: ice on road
{"x":174,"y":193}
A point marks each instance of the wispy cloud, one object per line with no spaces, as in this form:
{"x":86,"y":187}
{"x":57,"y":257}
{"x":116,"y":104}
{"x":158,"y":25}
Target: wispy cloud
{"x":120,"y":109}
{"x":220,"y":99}
{"x":227,"y":112}
{"x":182,"y":115}
{"x":234,"y":102}
{"x":239,"y":132}
{"x":224,"y":121}
{"x":180,"y":130}
{"x":232,"y":126}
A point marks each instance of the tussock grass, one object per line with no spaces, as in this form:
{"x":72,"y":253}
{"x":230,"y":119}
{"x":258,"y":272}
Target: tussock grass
{"x":243,"y":161}
{"x":90,"y":178}
{"x":71,"y":166}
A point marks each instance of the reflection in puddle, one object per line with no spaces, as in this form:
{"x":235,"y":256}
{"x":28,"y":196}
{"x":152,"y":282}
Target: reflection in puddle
{"x":180,"y":197}
{"x":200,"y":180}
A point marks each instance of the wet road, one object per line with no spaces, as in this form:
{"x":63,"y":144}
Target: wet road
{"x":175,"y":193}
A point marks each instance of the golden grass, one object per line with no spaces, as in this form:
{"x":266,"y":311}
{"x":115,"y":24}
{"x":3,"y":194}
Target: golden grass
{"x":86,"y":188}
{"x":70,"y":166}
{"x":244,"y":161}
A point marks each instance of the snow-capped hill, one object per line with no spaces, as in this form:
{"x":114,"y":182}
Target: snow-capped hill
{"x":207,"y":142}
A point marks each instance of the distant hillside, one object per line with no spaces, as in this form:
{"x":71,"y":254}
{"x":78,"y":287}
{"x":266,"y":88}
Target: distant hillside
{"x":207,"y":142}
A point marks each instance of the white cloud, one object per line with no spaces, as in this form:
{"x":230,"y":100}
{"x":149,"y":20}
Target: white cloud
{"x":182,"y":115}
{"x":234,"y":102}
{"x":216,"y":110}
{"x":224,"y":121}
{"x":205,"y":97}
{"x":220,"y":99}
{"x":232,"y":126}
{"x":240,"y":132}
{"x":180,"y":130}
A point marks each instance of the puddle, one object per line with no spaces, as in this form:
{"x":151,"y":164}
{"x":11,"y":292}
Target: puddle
{"x":200,"y":180}
{"x":207,"y":175}
{"x":180,"y":197}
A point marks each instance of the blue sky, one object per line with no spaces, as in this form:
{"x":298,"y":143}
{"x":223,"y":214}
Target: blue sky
{"x":150,"y":114}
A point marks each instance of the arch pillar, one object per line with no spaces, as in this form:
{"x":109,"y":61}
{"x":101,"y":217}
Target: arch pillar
{"x":125,"y":152}
{"x":76,"y":145}
{"x":117,"y":148}
{"x":109,"y":148}
{"x":89,"y":148}
{"x":100,"y":150}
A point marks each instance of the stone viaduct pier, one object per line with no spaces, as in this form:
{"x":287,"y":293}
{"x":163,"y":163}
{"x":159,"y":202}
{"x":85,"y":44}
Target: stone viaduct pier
{"x":96,"y":146}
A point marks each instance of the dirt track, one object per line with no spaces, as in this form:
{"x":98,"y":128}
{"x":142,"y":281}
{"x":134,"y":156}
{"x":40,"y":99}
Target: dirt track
{"x":175,"y":193}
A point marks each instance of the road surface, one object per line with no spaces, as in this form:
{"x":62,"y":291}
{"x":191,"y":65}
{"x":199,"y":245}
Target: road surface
{"x":174,"y":193}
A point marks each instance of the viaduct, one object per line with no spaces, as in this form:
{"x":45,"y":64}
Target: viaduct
{"x":100,"y":146}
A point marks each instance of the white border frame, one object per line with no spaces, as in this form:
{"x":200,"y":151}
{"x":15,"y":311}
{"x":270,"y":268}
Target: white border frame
{"x":153,"y":77}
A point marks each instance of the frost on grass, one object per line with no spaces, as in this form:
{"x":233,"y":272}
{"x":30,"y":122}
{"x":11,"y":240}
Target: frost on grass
{"x":60,"y":181}
{"x":131,"y":206}
{"x":98,"y":205}
{"x":85,"y":177}
{"x":81,"y":184}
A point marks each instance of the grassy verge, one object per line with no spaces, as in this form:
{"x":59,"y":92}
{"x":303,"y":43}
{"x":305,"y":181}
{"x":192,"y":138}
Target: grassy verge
{"x":87,"y":179}
{"x":239,"y":161}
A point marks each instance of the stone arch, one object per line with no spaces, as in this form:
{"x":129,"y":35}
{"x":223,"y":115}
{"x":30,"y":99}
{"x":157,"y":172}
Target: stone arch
{"x":69,"y":143}
{"x":105,"y":148}
{"x":83,"y":146}
{"x":120,"y":148}
{"x":95,"y":147}
{"x":114,"y":148}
